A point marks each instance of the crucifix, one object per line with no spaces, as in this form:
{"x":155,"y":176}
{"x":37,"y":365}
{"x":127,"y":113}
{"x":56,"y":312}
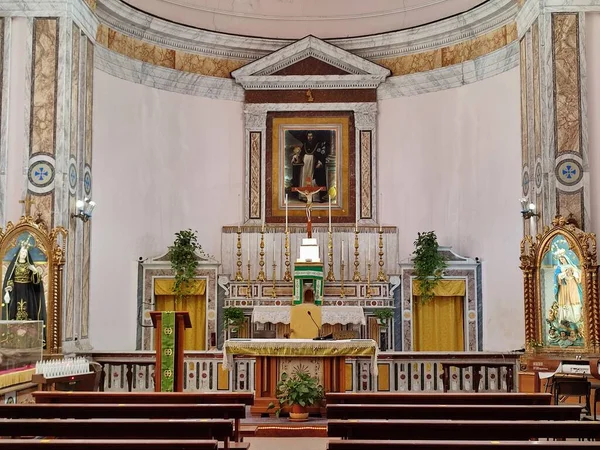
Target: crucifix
{"x":308,"y":191}
{"x":27,"y":202}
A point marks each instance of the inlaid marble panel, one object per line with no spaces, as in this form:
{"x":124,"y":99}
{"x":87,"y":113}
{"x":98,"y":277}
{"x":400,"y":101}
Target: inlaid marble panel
{"x":85,"y":285}
{"x":43,"y":205}
{"x":565,"y":37}
{"x":571,"y":203}
{"x":70,"y":297}
{"x":89,"y":87}
{"x":535,"y":40}
{"x":255,"y":194}
{"x":43,"y":90}
{"x":523,"y":68}
{"x":366,"y":210}
{"x":75,"y":56}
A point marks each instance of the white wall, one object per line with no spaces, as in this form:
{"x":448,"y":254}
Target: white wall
{"x":450,"y":161}
{"x":162,"y":162}
{"x":592,"y":43}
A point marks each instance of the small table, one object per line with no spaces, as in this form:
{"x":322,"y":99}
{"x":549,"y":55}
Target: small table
{"x":477,"y":366}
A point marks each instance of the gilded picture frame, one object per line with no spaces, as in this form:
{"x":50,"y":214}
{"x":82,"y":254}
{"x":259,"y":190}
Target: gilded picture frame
{"x":47,"y":254}
{"x":560,"y":274}
{"x":316,"y":148}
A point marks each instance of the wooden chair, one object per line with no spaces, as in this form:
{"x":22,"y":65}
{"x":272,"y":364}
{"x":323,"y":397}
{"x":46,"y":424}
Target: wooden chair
{"x":572,"y":387}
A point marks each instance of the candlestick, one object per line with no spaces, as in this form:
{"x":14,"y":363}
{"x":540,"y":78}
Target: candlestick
{"x":288,"y":275}
{"x":273,"y":292}
{"x":248,"y":241}
{"x":329,"y":214}
{"x":286,"y":213}
{"x":248,"y":286}
{"x":356,"y":276}
{"x":369,"y":250}
{"x":342,"y":254}
{"x":342,"y":276}
{"x":330,"y":274}
{"x":238,"y":273}
{"x":381,"y":276}
{"x":368,"y":293}
{"x":261,"y":262}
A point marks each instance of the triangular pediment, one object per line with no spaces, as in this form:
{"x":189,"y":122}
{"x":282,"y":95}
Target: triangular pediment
{"x":310,"y":63}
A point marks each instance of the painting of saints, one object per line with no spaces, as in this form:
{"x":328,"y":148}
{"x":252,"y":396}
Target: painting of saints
{"x":565,"y":316}
{"x":22,"y":288}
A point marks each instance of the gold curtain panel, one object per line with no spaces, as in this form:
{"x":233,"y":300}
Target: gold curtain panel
{"x":445,"y":288}
{"x":164,"y":286}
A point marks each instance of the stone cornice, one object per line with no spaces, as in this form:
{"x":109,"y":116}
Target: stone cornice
{"x":78,"y":10}
{"x":478,"y":21}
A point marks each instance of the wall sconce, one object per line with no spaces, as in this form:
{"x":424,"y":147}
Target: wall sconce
{"x":528,"y":209}
{"x":84,"y":209}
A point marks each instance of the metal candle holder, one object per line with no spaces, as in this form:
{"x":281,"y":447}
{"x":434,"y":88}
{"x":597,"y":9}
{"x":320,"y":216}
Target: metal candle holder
{"x":381,"y":276}
{"x":288,"y":275}
{"x":238,"y":273}
{"x":248,"y":286}
{"x":356,"y":276}
{"x":273,"y":293}
{"x":368,"y":294}
{"x":342,"y":292}
{"x":330,"y":274}
{"x":261,"y":262}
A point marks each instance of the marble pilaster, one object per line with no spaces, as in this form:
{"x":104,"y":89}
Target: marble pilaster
{"x":4,"y":64}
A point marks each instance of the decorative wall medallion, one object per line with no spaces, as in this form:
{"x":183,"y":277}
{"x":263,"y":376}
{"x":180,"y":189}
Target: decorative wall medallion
{"x":525,"y":181}
{"x":538,"y":175}
{"x":41,"y":174}
{"x":72,"y":176}
{"x":569,"y":172}
{"x":87,"y":180}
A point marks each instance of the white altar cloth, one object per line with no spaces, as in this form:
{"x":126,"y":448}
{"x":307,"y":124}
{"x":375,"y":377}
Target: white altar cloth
{"x":329,"y":314}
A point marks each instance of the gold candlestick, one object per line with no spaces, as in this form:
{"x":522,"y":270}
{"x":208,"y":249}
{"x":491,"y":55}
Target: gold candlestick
{"x":368,"y":280}
{"x":356,"y":276}
{"x":261,"y":262}
{"x":273,"y":293}
{"x":342,"y":292}
{"x":248,"y":286}
{"x":330,"y":274}
{"x":381,"y":276}
{"x":238,"y":273}
{"x":288,"y":274}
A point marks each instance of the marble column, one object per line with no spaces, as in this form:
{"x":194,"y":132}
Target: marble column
{"x":49,"y":156}
{"x":555,"y":171}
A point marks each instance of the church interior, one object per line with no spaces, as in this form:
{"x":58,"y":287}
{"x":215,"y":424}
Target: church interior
{"x":395,"y":241}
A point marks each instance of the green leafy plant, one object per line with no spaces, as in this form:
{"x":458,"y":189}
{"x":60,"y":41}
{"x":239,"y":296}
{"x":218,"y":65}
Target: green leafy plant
{"x":429,"y":264}
{"x":383,"y":314}
{"x":233,"y":317}
{"x":184,"y":261}
{"x":298,"y":389}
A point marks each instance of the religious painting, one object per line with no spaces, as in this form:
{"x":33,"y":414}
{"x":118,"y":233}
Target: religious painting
{"x":561,"y":290}
{"x":30,"y":275}
{"x":562,"y":296}
{"x":314,"y":153}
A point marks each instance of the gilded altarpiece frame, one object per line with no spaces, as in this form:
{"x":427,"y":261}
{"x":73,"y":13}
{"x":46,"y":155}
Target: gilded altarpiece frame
{"x":560,"y":284}
{"x":50,"y":245}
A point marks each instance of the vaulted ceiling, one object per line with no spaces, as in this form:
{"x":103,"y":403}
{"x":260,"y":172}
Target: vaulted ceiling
{"x":292,"y":19}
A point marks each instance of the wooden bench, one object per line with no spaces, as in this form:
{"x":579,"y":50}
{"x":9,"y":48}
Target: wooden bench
{"x":125,"y":411}
{"x":449,"y":398}
{"x":243,"y":398}
{"x":455,"y":412}
{"x":102,"y":444}
{"x":519,"y":430}
{"x":217,"y":429}
{"x":443,"y":445}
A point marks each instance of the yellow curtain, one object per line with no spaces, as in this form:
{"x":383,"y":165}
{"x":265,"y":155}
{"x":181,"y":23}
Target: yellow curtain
{"x":444,"y":288}
{"x":195,"y":304}
{"x":438,"y":324}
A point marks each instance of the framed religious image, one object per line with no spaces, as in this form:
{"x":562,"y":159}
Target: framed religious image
{"x":316,"y":150}
{"x":561,"y":292}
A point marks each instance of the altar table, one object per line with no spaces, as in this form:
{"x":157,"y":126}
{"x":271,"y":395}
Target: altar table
{"x":269,"y":351}
{"x":329,"y":314}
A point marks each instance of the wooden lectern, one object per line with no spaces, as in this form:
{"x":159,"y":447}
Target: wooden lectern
{"x":182,"y":321}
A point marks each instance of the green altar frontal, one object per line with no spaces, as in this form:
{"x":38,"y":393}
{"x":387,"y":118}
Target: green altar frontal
{"x":308,"y":271}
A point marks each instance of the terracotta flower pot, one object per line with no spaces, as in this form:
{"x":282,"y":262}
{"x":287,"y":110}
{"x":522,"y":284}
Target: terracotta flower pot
{"x":298,"y":412}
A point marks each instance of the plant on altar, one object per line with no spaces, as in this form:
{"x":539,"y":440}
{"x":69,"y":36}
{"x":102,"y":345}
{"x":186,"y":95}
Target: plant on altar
{"x":184,"y":261}
{"x":429,"y":264}
{"x":298,"y":391}
{"x":383,"y":314}
{"x":232,"y":317}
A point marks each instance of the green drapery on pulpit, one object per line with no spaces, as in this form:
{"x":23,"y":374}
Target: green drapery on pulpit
{"x":167,"y":363}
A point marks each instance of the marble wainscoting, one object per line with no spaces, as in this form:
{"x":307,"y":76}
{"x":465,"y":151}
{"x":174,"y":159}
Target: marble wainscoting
{"x":398,"y":372}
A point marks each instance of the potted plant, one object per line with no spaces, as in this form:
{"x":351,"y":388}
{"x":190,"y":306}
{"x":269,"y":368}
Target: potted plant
{"x":428,"y":263}
{"x":383,"y":314}
{"x":298,"y":392}
{"x":233,"y":318}
{"x":184,"y":261}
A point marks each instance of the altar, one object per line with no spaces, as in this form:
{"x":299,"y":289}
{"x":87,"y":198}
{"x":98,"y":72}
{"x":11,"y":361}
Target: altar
{"x":322,"y":359}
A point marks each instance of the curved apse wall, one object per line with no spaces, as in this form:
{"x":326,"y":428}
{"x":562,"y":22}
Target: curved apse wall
{"x":168,"y":159}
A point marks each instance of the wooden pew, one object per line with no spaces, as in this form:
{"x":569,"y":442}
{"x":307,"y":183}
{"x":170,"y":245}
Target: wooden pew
{"x":106,"y":444}
{"x":448,"y":398}
{"x":478,"y":430}
{"x":455,"y":412}
{"x":220,"y":430}
{"x":125,"y":411}
{"x":244,"y":398}
{"x":443,"y":445}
